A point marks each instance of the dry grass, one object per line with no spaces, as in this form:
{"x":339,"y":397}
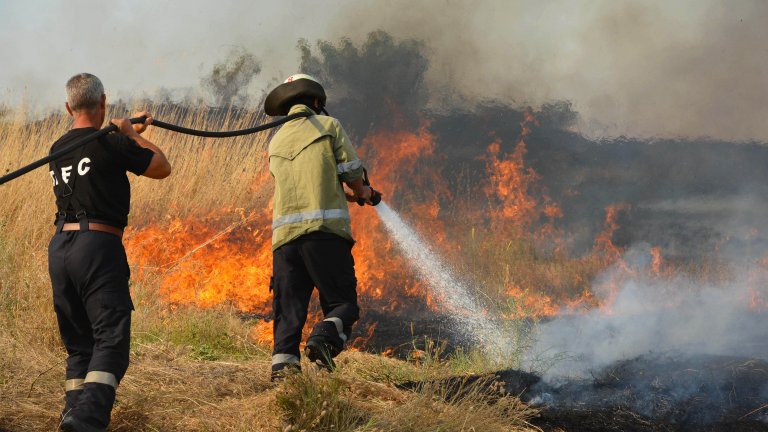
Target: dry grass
{"x":208,"y":173}
{"x":342,"y":402}
{"x":167,"y":390}
{"x":195,"y":370}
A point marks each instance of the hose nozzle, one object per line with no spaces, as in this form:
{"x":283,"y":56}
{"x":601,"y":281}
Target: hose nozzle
{"x":375,"y":195}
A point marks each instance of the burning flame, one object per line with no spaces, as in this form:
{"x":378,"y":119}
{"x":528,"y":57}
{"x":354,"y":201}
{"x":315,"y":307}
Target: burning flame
{"x":226,"y":256}
{"x":604,"y":241}
{"x":203,"y":265}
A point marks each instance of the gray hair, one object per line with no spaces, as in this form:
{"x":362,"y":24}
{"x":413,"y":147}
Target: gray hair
{"x":84,"y":91}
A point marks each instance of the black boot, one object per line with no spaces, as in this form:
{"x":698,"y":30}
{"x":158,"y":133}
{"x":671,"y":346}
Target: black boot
{"x":93,"y":411}
{"x":72,"y":424}
{"x":324,"y":344}
{"x":320,"y":353}
{"x":70,"y":401}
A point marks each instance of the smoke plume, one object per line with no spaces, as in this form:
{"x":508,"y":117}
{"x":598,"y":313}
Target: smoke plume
{"x":229,"y":79}
{"x":659,"y":316}
{"x":687,"y":68}
{"x":649,"y":69}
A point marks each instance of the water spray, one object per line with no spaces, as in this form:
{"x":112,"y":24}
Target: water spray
{"x":468,"y":315}
{"x":466,"y":312}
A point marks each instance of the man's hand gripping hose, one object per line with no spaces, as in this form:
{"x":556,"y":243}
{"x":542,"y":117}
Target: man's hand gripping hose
{"x":375,"y":195}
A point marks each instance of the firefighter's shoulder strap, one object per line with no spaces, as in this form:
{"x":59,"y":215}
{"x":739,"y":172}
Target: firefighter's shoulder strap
{"x":67,"y":193}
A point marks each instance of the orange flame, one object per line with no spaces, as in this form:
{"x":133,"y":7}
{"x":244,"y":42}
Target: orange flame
{"x":203,"y":265}
{"x":225,"y":258}
{"x":657,"y":260}
{"x":604,"y":241}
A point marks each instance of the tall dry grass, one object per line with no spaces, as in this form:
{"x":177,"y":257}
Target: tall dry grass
{"x":208,"y":173}
{"x":191,"y":369}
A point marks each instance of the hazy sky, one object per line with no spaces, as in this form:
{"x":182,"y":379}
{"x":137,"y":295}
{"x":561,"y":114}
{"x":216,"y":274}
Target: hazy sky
{"x":642,"y":68}
{"x":140,"y":45}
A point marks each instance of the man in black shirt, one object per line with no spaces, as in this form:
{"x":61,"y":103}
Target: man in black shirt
{"x":86,"y":259}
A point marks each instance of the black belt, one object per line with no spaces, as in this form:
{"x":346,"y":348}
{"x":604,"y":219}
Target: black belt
{"x":93,"y":226}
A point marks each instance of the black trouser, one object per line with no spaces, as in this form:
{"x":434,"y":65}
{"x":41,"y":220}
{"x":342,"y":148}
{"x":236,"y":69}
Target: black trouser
{"x":321,"y":260}
{"x":89,"y":273}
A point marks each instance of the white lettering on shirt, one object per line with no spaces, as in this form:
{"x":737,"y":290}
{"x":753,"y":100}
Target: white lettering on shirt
{"x":65,"y":172}
{"x":82,"y":168}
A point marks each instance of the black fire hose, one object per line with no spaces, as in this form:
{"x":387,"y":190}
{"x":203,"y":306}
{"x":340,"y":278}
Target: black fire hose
{"x":112,"y":128}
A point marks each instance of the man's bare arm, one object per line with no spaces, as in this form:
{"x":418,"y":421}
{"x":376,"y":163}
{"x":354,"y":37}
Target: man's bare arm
{"x":159,"y":167}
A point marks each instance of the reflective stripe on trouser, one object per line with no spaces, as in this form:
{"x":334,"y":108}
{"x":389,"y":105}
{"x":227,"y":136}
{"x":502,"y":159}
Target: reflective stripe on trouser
{"x":74,"y":384}
{"x":284,"y":358}
{"x":323,"y":214}
{"x":339,"y":327}
{"x":321,"y":260}
{"x":101,"y":378}
{"x":89,"y":399}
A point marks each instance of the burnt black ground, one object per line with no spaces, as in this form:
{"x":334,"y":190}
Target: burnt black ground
{"x":667,"y":392}
{"x":409,"y":332}
{"x":682,"y":391}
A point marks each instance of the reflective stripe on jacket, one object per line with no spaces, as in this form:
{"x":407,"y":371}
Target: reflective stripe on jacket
{"x":307,"y":157}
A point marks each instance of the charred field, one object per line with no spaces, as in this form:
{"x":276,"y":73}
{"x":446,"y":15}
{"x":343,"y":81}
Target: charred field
{"x":655,"y":391}
{"x":648,"y":393}
{"x":661,"y":392}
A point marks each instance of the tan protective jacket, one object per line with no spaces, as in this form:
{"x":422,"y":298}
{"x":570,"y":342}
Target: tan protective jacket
{"x":308,"y":157}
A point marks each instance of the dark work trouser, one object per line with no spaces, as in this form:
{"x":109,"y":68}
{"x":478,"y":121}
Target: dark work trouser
{"x":321,"y":260}
{"x":89,"y":273}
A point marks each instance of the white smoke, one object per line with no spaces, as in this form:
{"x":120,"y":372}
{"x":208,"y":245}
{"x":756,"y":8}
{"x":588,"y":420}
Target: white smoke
{"x":656,"y":315}
{"x":140,"y":47}
{"x":654,"y":68}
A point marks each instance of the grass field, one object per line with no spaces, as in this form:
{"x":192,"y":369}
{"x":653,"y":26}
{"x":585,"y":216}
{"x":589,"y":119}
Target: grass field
{"x":195,"y":369}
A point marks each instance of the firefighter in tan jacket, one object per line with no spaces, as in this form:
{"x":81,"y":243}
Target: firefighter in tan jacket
{"x":310,"y":158}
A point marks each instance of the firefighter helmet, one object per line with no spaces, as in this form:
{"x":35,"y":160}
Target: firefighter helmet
{"x":294,"y":86}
